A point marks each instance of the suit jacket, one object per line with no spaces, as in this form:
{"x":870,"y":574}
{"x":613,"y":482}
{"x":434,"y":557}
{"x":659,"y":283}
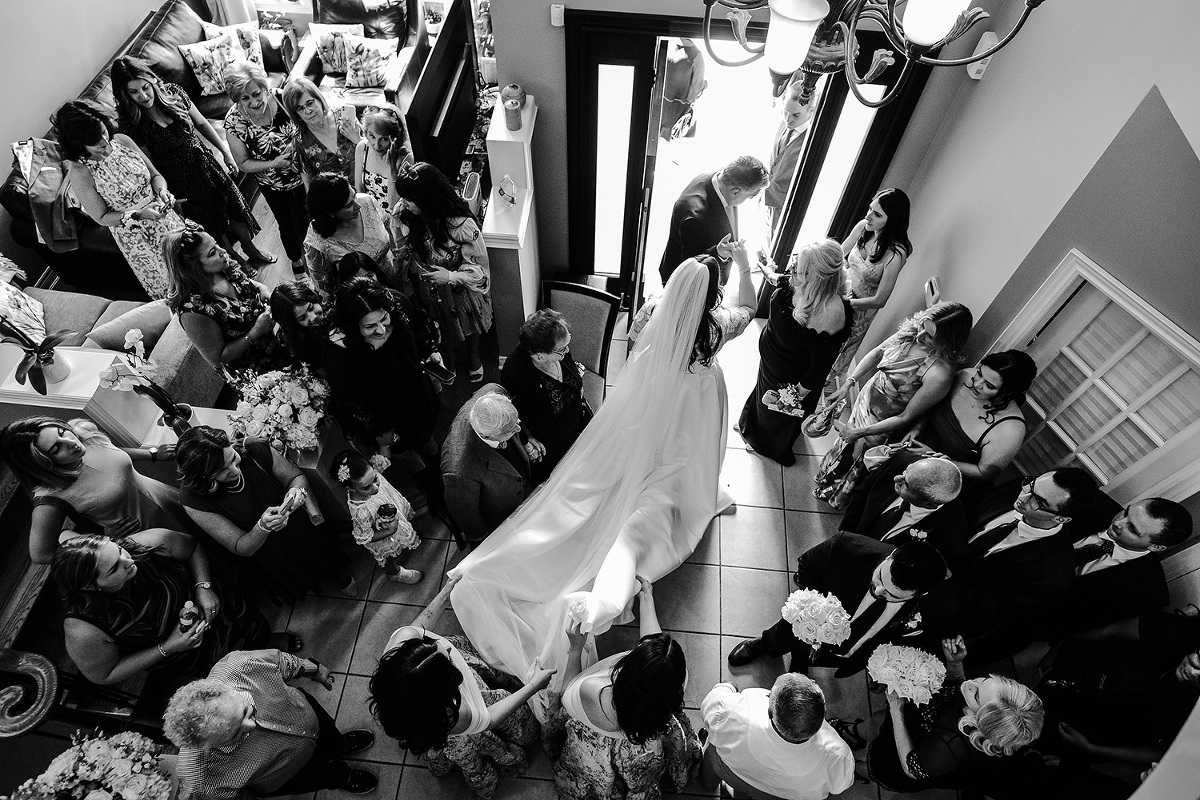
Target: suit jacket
{"x":482,"y":487}
{"x":945,"y":528}
{"x":783,"y":167}
{"x":1092,"y":520}
{"x":1097,"y":598}
{"x":698,"y":223}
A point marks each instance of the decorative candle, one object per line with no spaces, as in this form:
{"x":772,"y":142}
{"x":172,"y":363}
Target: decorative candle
{"x":512,"y":114}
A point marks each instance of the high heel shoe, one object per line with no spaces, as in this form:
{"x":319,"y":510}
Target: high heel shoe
{"x":849,"y":732}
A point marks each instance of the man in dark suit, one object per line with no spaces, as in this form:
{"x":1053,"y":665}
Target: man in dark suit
{"x":877,"y":584}
{"x":485,"y":462}
{"x":1016,"y":563}
{"x":789,"y":141}
{"x":704,"y":219}
{"x":911,"y":498}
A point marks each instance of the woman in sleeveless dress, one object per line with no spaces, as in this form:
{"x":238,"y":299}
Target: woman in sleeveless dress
{"x":344,"y":222}
{"x":381,"y":151}
{"x":876,"y":250}
{"x":74,"y":472}
{"x":633,"y":496}
{"x":808,"y":322}
{"x":164,"y":121}
{"x":442,"y":702}
{"x":119,"y":188}
{"x":910,"y":372}
{"x":979,"y":425}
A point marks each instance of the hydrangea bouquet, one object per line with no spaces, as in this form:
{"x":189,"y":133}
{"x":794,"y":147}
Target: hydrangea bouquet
{"x":911,"y":673}
{"x":816,"y":618}
{"x":285,"y":407}
{"x":120,"y":767}
{"x":135,"y":372}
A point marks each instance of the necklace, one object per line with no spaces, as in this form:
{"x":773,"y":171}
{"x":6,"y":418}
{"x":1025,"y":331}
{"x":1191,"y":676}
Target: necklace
{"x":237,"y":485}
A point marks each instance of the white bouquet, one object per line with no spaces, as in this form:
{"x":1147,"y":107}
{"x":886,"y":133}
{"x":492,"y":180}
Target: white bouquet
{"x":120,"y":767}
{"x":816,"y":618}
{"x":285,"y":407}
{"x":911,"y":673}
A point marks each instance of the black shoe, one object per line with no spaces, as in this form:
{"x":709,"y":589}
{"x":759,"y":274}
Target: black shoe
{"x":359,"y":781}
{"x":746,"y":651}
{"x":356,"y":741}
{"x":849,"y":732}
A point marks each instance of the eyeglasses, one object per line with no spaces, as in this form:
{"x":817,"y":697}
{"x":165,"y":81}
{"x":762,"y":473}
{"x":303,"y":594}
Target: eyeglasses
{"x":1039,"y":503}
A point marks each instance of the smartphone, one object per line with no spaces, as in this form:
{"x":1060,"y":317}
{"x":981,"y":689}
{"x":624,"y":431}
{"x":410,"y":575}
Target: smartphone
{"x":291,"y":503}
{"x":438,"y":372}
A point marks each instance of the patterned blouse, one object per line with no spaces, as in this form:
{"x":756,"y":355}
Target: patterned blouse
{"x":313,"y":157}
{"x":267,"y":143}
{"x":236,"y":317}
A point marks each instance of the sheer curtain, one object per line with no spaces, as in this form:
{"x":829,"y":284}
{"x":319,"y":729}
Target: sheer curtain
{"x":231,"y":12}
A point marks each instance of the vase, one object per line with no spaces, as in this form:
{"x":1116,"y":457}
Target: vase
{"x":513,"y":92}
{"x":180,"y":420}
{"x":177,"y":416}
{"x":56,"y":369}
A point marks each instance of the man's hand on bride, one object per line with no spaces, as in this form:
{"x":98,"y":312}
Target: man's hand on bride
{"x":541,"y":676}
{"x":645,"y":590}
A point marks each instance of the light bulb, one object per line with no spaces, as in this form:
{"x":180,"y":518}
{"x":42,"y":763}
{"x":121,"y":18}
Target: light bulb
{"x":926,"y":22}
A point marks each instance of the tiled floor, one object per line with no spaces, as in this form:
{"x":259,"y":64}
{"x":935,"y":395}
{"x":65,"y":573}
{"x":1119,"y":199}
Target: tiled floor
{"x":731,"y":587}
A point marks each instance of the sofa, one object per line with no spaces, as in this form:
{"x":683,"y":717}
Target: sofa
{"x":97,"y":266}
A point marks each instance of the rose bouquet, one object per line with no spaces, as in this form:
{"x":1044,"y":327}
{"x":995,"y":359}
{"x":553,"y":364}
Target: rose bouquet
{"x":911,"y":673}
{"x":285,"y":407}
{"x":120,"y":767}
{"x":135,"y":372}
{"x":816,"y":618}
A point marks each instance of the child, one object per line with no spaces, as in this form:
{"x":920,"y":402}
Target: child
{"x":373,"y":167}
{"x":380,"y":514}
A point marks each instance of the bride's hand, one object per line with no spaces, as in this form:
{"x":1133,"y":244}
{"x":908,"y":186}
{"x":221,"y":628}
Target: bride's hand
{"x":646,"y":590}
{"x":576,"y":638}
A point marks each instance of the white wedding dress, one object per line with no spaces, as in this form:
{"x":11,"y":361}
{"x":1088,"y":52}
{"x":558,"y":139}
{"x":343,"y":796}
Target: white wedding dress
{"x":632,"y":497}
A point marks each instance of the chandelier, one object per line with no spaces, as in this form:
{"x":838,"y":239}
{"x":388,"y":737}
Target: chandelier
{"x":819,"y":37}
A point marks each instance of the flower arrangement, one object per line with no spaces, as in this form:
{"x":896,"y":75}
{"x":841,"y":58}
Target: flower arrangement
{"x":120,"y":767}
{"x":911,"y":673}
{"x":285,"y":407}
{"x":38,"y":364}
{"x":816,"y":618}
{"x":787,"y":400}
{"x":134,"y":372}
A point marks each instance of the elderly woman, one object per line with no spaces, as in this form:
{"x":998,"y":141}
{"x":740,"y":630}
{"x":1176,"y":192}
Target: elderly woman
{"x":438,"y":698}
{"x":947,"y":742}
{"x":256,"y":504}
{"x":546,"y":386}
{"x":74,"y":472}
{"x":382,"y":150}
{"x":221,"y":308}
{"x":124,"y":600}
{"x":167,"y":125}
{"x":118,"y":187}
{"x":343,"y":223}
{"x":260,"y":136}
{"x":325,"y":138}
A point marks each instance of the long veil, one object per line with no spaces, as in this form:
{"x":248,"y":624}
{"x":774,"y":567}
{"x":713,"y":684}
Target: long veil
{"x":510,"y":599}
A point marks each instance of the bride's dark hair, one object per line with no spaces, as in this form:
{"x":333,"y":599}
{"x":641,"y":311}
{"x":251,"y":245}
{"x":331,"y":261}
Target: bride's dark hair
{"x":647,"y":686}
{"x":708,"y":333}
{"x":415,"y":695}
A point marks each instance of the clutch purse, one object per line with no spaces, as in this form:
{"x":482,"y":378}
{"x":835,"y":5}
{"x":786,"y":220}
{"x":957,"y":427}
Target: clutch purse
{"x":820,"y":422}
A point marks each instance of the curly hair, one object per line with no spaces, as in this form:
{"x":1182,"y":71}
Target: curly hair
{"x":191,"y":719}
{"x":199,"y":455}
{"x":415,"y":695}
{"x":124,"y":71}
{"x":243,"y":75}
{"x":953,"y":322}
{"x":362,"y":296}
{"x":437,"y":203}
{"x":32,"y":467}
{"x":894,"y":236}
{"x":1016,"y":370}
{"x":541,"y":332}
{"x":79,"y":124}
{"x":1008,"y":723}
{"x":818,"y":277}
{"x":647,"y":686}
{"x":185,"y":273}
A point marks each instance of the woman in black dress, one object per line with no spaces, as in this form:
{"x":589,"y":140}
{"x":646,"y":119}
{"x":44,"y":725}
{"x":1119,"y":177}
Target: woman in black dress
{"x":809,"y":321}
{"x":546,"y":386}
{"x":166,"y":124}
{"x":256,"y":504}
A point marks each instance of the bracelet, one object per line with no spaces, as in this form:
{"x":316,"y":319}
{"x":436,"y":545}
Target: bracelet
{"x":161,"y":651}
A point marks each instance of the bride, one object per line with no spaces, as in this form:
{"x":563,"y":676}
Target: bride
{"x":632,"y":497}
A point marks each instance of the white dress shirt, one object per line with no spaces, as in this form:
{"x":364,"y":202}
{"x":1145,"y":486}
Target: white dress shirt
{"x":1119,"y":554}
{"x":739,"y":728}
{"x":911,"y":516}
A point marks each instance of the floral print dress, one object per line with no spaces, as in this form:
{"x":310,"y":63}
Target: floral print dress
{"x":122,"y":180}
{"x":324,"y":252}
{"x":460,"y":310}
{"x":267,"y":143}
{"x":364,"y":513}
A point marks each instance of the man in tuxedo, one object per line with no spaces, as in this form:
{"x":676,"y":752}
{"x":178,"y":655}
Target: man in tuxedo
{"x":789,"y":141}
{"x":877,"y":584}
{"x":1016,"y":563}
{"x":704,"y":218}
{"x":485,"y":462}
{"x":909,"y":499}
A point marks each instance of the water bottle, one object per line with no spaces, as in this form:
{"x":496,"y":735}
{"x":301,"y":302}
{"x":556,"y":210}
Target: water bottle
{"x":189,"y":615}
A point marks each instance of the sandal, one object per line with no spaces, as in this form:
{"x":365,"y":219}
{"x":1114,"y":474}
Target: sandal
{"x":294,"y":644}
{"x":476,"y":375}
{"x":849,"y":732}
{"x":263,"y":258}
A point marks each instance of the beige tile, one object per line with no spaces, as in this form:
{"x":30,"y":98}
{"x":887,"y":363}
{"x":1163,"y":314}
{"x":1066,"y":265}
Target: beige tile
{"x":389,"y":782}
{"x":806,"y":529}
{"x":750,"y":600}
{"x":751,"y":479}
{"x":798,"y":482}
{"x":378,"y":623}
{"x":355,"y":713}
{"x":429,"y":558}
{"x":329,"y":626}
{"x":754,"y":537}
{"x":362,"y":567}
{"x":709,"y":549}
{"x":430,"y":527}
{"x":689,"y":599}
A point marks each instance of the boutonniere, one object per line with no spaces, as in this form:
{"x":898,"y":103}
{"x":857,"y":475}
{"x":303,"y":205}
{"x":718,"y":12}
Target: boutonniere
{"x":913,"y":622}
{"x":918,"y":535}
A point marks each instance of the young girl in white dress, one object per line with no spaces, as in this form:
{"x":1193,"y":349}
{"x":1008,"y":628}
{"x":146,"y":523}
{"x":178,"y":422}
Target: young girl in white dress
{"x":380,"y":514}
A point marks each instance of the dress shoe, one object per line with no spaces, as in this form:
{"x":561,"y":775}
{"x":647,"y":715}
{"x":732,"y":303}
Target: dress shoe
{"x":356,"y":741}
{"x":360,"y":782}
{"x":746,"y":651}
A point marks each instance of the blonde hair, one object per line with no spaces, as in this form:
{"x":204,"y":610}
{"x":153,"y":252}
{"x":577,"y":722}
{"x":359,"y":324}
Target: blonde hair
{"x":242,"y":74}
{"x":1008,"y":723}
{"x":817,"y":277}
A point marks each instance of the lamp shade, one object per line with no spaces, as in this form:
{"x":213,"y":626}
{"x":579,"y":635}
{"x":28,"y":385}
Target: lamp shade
{"x":926,"y":22}
{"x":790,"y":34}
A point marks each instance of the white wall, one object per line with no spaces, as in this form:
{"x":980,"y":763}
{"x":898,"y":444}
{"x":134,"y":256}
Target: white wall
{"x":51,"y":48}
{"x":1015,"y":146}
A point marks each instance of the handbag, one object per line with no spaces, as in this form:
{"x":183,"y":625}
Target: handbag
{"x":880,"y":454}
{"x":820,"y":422}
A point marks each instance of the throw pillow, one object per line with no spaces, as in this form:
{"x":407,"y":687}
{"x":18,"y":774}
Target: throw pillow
{"x":330,"y":47}
{"x":23,"y":312}
{"x":367,"y":61}
{"x":150,"y":318}
{"x":247,"y":37}
{"x":210,"y":59}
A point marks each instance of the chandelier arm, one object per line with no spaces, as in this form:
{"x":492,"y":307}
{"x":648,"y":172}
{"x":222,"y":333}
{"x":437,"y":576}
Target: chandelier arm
{"x":740,"y":5}
{"x":960,"y":62}
{"x":756,"y":54}
{"x":851,"y":79}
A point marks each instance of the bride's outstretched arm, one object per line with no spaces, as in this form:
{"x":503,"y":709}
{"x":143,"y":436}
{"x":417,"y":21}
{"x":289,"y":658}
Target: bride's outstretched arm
{"x":647,"y":613}
{"x":436,"y":607}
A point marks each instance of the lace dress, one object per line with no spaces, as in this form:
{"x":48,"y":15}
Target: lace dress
{"x":596,"y":764}
{"x":363,"y":514}
{"x":324,"y":252}
{"x":555,"y":411}
{"x":123,"y":181}
{"x":862,"y":279}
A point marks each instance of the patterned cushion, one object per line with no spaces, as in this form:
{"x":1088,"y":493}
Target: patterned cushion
{"x":247,"y":37}
{"x":368,"y":60}
{"x":22,"y":312}
{"x":210,"y":59}
{"x":330,"y":47}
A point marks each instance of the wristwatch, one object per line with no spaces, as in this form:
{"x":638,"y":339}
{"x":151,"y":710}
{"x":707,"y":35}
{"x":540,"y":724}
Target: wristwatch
{"x":153,"y":451}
